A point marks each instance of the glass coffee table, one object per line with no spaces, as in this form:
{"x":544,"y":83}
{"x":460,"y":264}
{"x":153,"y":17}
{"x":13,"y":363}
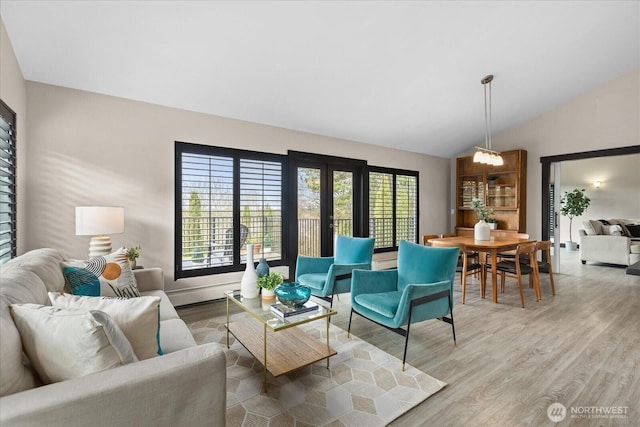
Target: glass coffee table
{"x":274,"y":341}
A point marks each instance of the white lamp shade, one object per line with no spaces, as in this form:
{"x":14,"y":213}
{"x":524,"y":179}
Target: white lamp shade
{"x":95,"y":220}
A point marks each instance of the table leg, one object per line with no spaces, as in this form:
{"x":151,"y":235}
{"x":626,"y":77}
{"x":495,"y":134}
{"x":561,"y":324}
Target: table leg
{"x":227,"y":323}
{"x":264,"y":384}
{"x":494,"y":276}
{"x":328,"y":347}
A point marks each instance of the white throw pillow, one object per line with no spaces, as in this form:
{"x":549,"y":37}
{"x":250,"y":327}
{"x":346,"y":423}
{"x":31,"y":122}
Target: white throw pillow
{"x":139,"y":318}
{"x":592,"y":229}
{"x":612,"y":230}
{"x":65,"y":343}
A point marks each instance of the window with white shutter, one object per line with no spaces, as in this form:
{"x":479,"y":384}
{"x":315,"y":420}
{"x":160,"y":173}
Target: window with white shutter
{"x":8,"y":240}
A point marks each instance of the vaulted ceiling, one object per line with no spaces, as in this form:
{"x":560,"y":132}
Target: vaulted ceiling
{"x":400,"y":74}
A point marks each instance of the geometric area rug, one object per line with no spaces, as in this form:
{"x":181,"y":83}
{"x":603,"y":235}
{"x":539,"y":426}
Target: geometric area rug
{"x":364,"y":386}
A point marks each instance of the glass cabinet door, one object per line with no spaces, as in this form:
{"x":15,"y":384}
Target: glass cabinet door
{"x":501,"y":190}
{"x":472,"y":187}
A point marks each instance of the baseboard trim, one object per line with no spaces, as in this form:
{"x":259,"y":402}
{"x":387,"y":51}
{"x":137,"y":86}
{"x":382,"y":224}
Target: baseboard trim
{"x":200,"y":294}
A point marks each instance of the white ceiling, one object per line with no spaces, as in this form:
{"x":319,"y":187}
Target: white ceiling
{"x":400,"y":74}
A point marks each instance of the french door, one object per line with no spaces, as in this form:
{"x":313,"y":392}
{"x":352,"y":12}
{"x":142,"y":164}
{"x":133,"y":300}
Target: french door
{"x":326,"y":200}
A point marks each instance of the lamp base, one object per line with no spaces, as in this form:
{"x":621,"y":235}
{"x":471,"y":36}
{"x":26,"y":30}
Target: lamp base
{"x":99,"y":246}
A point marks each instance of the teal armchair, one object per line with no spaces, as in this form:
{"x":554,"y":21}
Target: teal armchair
{"x":327,"y":276}
{"x":419,"y":289}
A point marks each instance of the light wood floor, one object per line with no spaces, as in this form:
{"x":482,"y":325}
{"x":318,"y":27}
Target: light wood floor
{"x":580,"y":347}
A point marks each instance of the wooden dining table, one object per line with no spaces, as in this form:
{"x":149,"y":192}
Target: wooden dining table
{"x":494,"y":246}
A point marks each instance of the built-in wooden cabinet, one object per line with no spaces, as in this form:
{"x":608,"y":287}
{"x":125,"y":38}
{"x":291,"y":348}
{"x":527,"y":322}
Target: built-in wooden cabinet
{"x":503,"y":188}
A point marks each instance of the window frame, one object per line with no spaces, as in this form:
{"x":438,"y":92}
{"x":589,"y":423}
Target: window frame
{"x":394,"y":172}
{"x":11,"y":195}
{"x":237,"y":155}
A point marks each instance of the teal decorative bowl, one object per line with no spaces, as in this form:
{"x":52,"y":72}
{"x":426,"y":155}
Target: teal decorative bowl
{"x":293,"y":294}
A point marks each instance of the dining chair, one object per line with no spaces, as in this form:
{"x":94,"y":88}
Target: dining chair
{"x":421,"y":288}
{"x":328,"y":276}
{"x":518,"y":269}
{"x":544,"y":248}
{"x":472,"y":256}
{"x":511,"y":254}
{"x":465,"y":266}
{"x":427,"y":237}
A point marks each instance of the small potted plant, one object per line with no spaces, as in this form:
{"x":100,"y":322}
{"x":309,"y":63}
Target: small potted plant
{"x":493,"y":223}
{"x":268,"y":283}
{"x":573,"y":204}
{"x":133,"y":254}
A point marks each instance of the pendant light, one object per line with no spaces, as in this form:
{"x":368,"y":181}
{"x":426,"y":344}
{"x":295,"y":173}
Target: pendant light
{"x":486,"y":155}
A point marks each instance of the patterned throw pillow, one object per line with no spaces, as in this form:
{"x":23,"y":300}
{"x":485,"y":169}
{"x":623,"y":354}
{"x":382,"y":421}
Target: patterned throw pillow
{"x":108,"y":275}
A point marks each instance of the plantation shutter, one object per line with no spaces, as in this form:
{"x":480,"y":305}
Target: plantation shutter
{"x":381,"y":209}
{"x":260,"y":206}
{"x":8,"y":241}
{"x":406,"y":208}
{"x":207,"y":211}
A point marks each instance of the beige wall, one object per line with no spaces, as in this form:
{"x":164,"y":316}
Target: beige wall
{"x":13,"y":93}
{"x":91,"y":149}
{"x":605,"y":117}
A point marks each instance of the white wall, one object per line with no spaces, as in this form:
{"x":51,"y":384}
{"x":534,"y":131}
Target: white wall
{"x":91,"y":149}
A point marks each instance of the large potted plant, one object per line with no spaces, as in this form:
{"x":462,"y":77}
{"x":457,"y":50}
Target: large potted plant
{"x":573,"y":204}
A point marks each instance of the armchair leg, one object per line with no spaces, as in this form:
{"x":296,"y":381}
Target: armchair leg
{"x":406,"y":343}
{"x":349,"y":328}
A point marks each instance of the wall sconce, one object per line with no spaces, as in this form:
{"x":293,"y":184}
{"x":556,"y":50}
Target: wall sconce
{"x":597,"y":184}
{"x":97,"y":221}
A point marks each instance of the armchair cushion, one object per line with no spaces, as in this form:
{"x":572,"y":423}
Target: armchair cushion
{"x":313,"y":280}
{"x":385,"y":303}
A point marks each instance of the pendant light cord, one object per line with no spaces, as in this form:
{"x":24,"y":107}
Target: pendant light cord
{"x":487,"y":116}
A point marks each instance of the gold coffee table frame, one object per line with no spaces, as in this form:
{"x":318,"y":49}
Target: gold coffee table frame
{"x":289,"y":348}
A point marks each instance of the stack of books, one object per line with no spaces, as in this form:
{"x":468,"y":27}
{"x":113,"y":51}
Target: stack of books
{"x":282,"y":310}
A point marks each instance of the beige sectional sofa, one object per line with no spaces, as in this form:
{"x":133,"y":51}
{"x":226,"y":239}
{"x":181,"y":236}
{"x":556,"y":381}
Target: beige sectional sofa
{"x":184,"y":387}
{"x":610,"y":243}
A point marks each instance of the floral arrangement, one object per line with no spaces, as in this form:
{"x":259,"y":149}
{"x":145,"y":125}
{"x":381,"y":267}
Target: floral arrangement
{"x":483,"y":212}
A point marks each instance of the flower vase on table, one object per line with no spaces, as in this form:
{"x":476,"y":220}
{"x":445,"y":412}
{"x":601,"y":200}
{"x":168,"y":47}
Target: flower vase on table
{"x":249,"y":284}
{"x":481,"y":231}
